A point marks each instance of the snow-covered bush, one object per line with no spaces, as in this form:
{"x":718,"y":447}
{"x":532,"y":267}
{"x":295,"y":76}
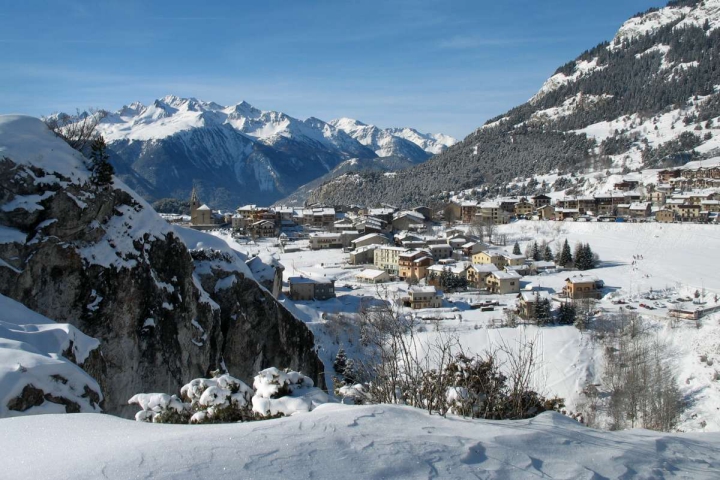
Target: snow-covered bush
{"x":286,"y":392}
{"x":224,"y":398}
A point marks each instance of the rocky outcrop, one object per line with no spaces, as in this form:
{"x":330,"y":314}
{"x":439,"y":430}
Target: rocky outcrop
{"x":100,"y":259}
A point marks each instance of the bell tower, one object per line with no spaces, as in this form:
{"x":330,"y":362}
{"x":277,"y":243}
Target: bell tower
{"x":194,"y":205}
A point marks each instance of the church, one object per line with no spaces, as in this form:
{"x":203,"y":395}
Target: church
{"x":201,"y":217}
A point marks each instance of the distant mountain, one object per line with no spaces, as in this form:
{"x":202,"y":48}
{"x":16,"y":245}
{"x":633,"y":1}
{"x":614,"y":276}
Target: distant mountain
{"x":649,"y":98}
{"x":239,"y":154}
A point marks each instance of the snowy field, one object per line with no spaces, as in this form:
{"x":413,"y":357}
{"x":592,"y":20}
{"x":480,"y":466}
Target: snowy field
{"x":339,"y":441}
{"x":672,"y":260}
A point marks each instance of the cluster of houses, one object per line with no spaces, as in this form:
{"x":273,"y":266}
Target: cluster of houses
{"x":686,"y":194}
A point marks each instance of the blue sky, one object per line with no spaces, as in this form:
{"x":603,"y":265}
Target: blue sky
{"x":444,"y":66}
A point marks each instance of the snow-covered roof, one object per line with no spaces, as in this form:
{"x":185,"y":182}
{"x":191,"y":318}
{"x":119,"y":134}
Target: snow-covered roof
{"x":532,"y":297}
{"x":582,"y":278}
{"x":371,"y":274}
{"x":511,"y":275}
{"x":485,"y":267}
{"x":369,"y":236}
{"x":204,"y":207}
{"x":421,"y":289}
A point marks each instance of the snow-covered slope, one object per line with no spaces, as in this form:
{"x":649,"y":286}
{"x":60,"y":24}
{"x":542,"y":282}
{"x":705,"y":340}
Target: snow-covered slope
{"x":36,"y":375}
{"x":337,"y":441}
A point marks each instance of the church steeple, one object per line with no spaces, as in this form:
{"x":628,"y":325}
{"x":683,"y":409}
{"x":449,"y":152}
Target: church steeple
{"x":194,"y":201}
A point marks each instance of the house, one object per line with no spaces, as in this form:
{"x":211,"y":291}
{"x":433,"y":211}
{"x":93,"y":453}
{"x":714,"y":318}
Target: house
{"x":492,"y":255}
{"x":477,"y":273}
{"x":503,"y":282}
{"x":262,"y":228}
{"x":689,"y":213}
{"x":414,"y":264}
{"x":546,"y":212}
{"x":640,"y":209}
{"x":302,"y":288}
{"x":665,"y":216}
{"x":370,"y":239}
{"x":540,"y":201}
{"x":319,"y":241}
{"x":387,"y":258}
{"x":471,"y":248}
{"x":424,"y":297}
{"x":541,"y":266}
{"x":514,"y":260}
{"x":468,"y":210}
{"x":567,"y":213}
{"x":343,"y":224}
{"x":457,"y":270}
{"x":385,"y":214}
{"x":523,"y":208}
{"x":372,"y":276}
{"x":363,"y":255}
{"x":408,"y":220}
{"x":527,"y":301}
{"x":492,"y":213}
{"x":441,"y":251}
{"x":583,"y":286}
{"x":424,"y":211}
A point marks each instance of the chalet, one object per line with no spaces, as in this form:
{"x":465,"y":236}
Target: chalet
{"x":508,"y":204}
{"x":665,"y":176}
{"x":424,"y":211}
{"x":689,"y":212}
{"x":372,"y":276}
{"x":302,"y":288}
{"x":424,"y":297}
{"x":344,"y":223}
{"x":586,"y":205}
{"x":385,"y":214}
{"x":527,"y":301}
{"x":503,"y":282}
{"x":414,"y":264}
{"x":567,"y":213}
{"x":514,"y":260}
{"x":457,"y":270}
{"x":370,"y":239}
{"x":541,"y":266}
{"x":471,"y":248}
{"x":583,"y":286}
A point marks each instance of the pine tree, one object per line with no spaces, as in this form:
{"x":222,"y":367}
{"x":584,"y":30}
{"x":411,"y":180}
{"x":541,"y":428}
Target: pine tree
{"x":516,"y":249}
{"x":340,"y":362}
{"x":543,"y":311}
{"x":100,"y":168}
{"x":535,"y":252}
{"x":547,"y":254}
{"x":565,"y":258}
{"x":566,"y":313}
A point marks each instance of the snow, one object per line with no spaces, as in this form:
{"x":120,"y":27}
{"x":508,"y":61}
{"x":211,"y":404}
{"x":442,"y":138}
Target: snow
{"x":348,"y":441}
{"x":31,"y":353}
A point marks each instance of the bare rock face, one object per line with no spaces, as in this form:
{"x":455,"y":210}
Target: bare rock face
{"x":100,"y":259}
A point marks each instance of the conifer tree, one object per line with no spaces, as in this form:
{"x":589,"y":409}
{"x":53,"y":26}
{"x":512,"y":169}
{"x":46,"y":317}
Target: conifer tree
{"x":535,"y":252}
{"x":100,"y":168}
{"x":340,"y":362}
{"x":565,"y":258}
{"x":516,"y":249}
{"x":547,"y":254}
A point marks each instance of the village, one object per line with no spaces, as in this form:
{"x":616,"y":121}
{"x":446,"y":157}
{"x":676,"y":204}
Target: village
{"x":460,"y":248}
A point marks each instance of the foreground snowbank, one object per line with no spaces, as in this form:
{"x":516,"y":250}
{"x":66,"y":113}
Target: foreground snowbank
{"x":339,"y":441}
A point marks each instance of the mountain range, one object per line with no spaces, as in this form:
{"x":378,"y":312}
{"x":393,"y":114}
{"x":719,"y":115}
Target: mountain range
{"x":648,"y":98}
{"x":239,"y":154}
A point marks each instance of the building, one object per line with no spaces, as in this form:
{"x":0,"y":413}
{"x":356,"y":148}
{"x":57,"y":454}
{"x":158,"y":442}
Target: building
{"x":540,"y":201}
{"x":408,"y":220}
{"x":424,"y":297}
{"x":583,"y":286}
{"x":493,"y":256}
{"x":546,"y":212}
{"x":262,"y":228}
{"x":414,"y":264}
{"x":457,"y":270}
{"x":640,"y":210}
{"x":514,"y":260}
{"x":665,"y":216}
{"x":319,"y":241}
{"x":363,"y":255}
{"x":503,"y":282}
{"x":527,"y":301}
{"x":302,"y":288}
{"x":200,"y":215}
{"x":387,"y":258}
{"x":468,"y":210}
{"x":477,"y":273}
{"x":372,"y":276}
{"x":523,"y":208}
{"x":441,"y":251}
{"x":370,"y":239}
